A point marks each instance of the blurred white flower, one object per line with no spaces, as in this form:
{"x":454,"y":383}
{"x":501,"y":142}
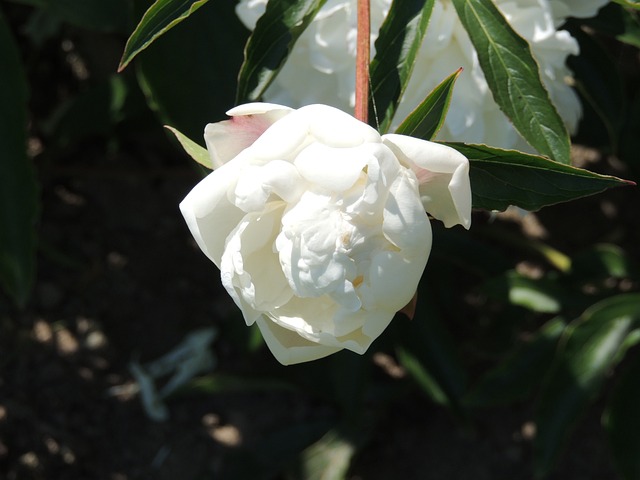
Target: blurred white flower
{"x":562,"y":9}
{"x":318,"y":223}
{"x":321,"y":66}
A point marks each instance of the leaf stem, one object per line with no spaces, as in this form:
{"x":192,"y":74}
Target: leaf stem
{"x":362,"y":61}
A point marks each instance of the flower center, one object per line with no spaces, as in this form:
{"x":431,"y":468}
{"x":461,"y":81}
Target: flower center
{"x":324,"y":251}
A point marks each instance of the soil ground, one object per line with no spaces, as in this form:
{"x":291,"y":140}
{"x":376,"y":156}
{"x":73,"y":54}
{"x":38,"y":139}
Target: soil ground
{"x":119,"y":278}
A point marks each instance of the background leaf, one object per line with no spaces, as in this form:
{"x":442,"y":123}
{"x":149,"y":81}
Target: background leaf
{"x":270,"y":43}
{"x":599,"y":84}
{"x":512,"y":75}
{"x":159,"y":19}
{"x":536,"y":294}
{"x":195,"y":151}
{"x":427,"y":119}
{"x":397,"y":45}
{"x":516,"y":377}
{"x":18,"y":191}
{"x":603,"y":261}
{"x":184,"y":100}
{"x":500,"y":178}
{"x":591,"y":348}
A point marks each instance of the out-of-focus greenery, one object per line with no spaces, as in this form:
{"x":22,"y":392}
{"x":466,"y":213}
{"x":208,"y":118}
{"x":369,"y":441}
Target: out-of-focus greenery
{"x":580,"y":310}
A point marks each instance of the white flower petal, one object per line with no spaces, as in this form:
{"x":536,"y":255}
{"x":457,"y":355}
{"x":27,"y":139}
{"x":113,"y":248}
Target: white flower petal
{"x":228,"y":138}
{"x":335,"y":128}
{"x":208,"y":212}
{"x":331,"y":168}
{"x":290,"y":348}
{"x":575,"y":8}
{"x":443,"y":174}
{"x":319,"y":229}
{"x":286,"y":139}
{"x":320,"y":66}
{"x":318,"y":320}
{"x":404,"y":222}
{"x":250,"y":268}
{"x":257,"y":184}
{"x":249,"y":11}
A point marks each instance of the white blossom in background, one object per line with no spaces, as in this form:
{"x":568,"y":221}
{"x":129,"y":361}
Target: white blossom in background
{"x":318,"y":223}
{"x":321,"y":67}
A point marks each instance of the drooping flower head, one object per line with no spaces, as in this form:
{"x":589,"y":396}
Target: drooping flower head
{"x":318,"y":223}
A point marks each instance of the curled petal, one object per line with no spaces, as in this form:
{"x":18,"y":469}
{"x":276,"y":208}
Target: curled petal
{"x":288,"y":347}
{"x":332,"y":327}
{"x":331,"y":168}
{"x":443,"y":174}
{"x":250,"y":269}
{"x":260,"y":183}
{"x":335,"y":128}
{"x":209,"y":213}
{"x":228,"y":138}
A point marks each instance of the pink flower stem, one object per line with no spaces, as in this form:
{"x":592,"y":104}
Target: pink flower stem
{"x":362,"y":61}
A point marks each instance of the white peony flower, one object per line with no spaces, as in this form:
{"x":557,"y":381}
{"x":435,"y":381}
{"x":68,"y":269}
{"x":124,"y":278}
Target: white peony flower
{"x":321,"y":69}
{"x":562,"y":9}
{"x":318,"y":223}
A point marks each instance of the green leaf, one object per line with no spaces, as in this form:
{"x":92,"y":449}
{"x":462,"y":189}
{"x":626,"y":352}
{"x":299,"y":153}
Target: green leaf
{"x":622,"y":420}
{"x":591,"y":347}
{"x":194,"y":150}
{"x":161,"y":17}
{"x":185,"y":100}
{"x":271,"y":42}
{"x":427,"y":119}
{"x":513,"y":77}
{"x":539,"y":295}
{"x":18,"y":189}
{"x":500,"y":178}
{"x":397,"y":45}
{"x":601,"y":262}
{"x":516,"y":377}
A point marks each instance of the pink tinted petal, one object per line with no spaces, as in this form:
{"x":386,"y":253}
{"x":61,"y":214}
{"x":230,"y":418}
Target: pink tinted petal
{"x":228,"y":138}
{"x":443,"y":174}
